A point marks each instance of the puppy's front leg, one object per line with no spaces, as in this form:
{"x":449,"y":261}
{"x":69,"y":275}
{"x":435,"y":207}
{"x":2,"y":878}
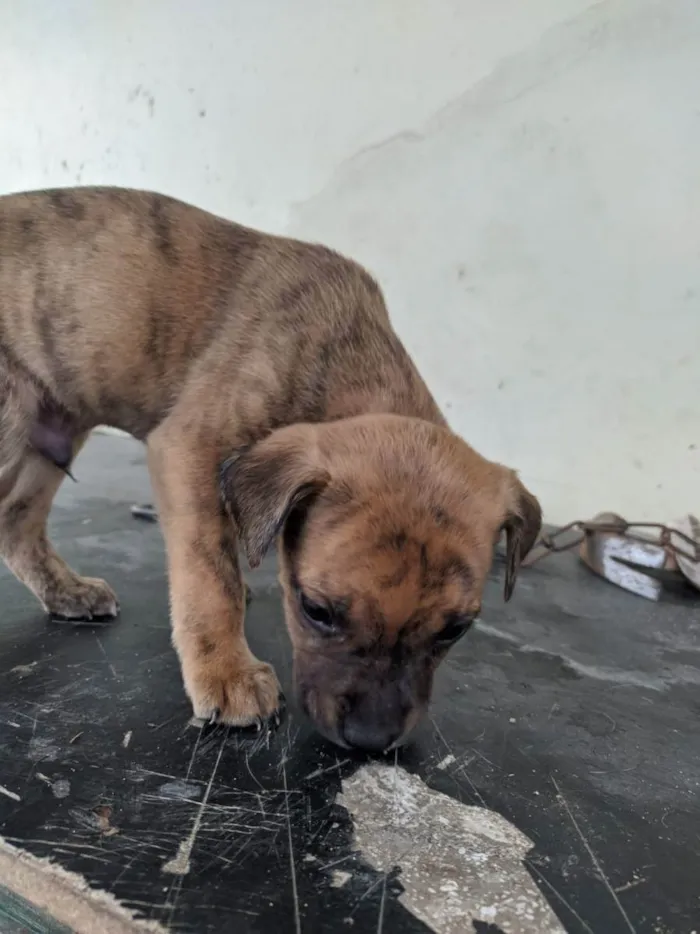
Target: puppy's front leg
{"x":207,"y":596}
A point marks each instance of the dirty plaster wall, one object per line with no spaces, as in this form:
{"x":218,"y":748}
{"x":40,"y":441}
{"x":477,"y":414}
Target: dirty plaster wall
{"x":523,"y":178}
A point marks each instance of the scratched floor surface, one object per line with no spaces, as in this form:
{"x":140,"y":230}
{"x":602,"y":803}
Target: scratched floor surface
{"x":572,"y":714}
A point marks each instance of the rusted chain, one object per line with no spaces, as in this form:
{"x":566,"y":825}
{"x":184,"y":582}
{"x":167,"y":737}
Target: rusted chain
{"x":688,"y":548}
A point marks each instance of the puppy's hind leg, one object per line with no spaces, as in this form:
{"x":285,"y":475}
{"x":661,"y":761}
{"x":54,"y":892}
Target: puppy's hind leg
{"x":28,"y":484}
{"x":18,"y":406}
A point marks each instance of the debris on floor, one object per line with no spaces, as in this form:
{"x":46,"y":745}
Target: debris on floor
{"x":459,"y":863}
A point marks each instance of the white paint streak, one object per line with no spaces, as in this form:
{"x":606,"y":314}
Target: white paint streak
{"x":594,"y":859}
{"x":179,"y":865}
{"x":457,"y":863}
{"x":127,"y":739}
{"x":292,"y":864}
{"x":23,"y":670}
{"x":9,"y":794}
{"x":620,"y":676}
{"x":339,"y":878}
{"x":448,"y":760}
{"x":106,"y":657}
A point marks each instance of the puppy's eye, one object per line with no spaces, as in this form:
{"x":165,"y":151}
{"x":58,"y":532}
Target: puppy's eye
{"x":318,"y":615}
{"x":454,"y":629}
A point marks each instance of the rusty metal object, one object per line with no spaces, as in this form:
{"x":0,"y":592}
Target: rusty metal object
{"x":640,"y":557}
{"x":624,"y":561}
{"x":682,"y":529}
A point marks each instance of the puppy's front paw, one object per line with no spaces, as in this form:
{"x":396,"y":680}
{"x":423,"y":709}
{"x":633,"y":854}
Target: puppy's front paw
{"x":82,"y":599}
{"x":242,"y":696}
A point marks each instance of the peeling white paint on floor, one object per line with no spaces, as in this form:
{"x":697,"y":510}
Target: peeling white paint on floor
{"x":458,"y":863}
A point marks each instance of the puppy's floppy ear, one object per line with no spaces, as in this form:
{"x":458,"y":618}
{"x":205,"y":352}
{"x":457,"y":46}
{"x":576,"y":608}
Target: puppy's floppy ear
{"x":522,"y":526}
{"x":262,"y":484}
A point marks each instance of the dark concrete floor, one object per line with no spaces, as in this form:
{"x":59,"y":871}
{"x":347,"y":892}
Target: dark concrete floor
{"x":572,"y":713}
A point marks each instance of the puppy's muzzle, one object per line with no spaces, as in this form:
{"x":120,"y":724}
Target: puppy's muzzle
{"x":374,"y":716}
{"x":373,"y":722}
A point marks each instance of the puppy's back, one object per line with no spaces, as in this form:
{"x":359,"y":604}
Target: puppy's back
{"x":110,"y":299}
{"x":109,"y":294}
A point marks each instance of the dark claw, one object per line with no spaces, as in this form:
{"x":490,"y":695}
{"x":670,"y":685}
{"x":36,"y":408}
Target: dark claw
{"x":60,"y":618}
{"x":278,"y":715}
{"x":147,"y":512}
{"x":87,"y":620}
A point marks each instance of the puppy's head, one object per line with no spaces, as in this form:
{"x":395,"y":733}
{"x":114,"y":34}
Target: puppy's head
{"x":387,"y":527}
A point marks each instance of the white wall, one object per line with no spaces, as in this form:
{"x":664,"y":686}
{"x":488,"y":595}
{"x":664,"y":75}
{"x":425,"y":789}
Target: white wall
{"x":523,"y":177}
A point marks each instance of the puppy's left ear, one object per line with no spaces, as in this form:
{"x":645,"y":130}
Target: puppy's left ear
{"x":261,"y":485}
{"x":522,"y":526}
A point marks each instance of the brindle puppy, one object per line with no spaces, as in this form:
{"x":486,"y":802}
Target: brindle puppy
{"x":275,"y":400}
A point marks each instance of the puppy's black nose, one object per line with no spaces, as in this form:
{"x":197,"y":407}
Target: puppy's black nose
{"x":369,"y":736}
